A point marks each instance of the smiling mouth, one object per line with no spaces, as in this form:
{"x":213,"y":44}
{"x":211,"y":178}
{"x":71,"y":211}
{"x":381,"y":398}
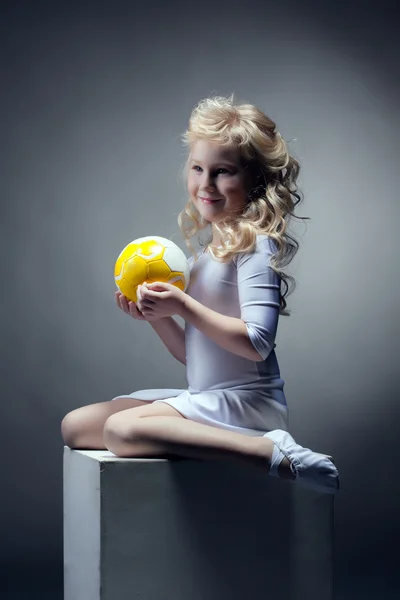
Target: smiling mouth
{"x":209,"y":200}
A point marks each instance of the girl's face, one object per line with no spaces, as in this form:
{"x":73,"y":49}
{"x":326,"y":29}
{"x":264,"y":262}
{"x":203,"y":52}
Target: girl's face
{"x":215,"y":174}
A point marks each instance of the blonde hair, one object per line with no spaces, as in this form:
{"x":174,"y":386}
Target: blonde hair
{"x":273,"y":195}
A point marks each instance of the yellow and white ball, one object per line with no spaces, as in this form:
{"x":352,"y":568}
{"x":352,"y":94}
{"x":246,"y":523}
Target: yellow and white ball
{"x":151,"y":258}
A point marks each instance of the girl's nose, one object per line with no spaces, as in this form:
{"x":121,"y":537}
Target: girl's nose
{"x":208,"y":183}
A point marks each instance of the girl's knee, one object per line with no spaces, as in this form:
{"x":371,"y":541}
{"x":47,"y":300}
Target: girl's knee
{"x":77,"y":424}
{"x":118,"y":427}
{"x":70,"y":426}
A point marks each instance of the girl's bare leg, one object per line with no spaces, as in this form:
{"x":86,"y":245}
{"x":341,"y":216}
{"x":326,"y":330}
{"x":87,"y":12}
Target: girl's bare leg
{"x":159,"y":429}
{"x":83,"y":427}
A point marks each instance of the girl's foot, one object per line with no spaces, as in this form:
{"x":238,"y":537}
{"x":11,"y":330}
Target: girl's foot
{"x":310,"y":469}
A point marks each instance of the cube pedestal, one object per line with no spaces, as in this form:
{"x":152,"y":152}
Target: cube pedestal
{"x":157,"y":529}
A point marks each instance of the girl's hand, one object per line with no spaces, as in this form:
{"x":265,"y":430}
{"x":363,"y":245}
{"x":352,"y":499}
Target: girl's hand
{"x":158,"y":300}
{"x":128,"y":306}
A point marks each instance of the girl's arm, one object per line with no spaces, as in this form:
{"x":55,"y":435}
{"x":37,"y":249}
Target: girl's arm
{"x":228,"y":332}
{"x":253,"y":334}
{"x":172,"y":335}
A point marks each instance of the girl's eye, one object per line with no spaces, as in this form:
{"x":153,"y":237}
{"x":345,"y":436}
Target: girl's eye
{"x":195,"y":167}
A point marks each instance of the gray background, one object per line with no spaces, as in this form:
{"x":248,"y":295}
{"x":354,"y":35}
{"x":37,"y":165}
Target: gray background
{"x":94,"y":98}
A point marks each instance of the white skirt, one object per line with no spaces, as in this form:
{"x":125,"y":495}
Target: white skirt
{"x":243,"y":411}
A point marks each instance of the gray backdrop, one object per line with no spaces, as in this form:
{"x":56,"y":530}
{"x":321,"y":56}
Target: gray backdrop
{"x":94,"y":98}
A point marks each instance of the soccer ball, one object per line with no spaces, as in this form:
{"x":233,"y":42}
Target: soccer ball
{"x":150,"y":259}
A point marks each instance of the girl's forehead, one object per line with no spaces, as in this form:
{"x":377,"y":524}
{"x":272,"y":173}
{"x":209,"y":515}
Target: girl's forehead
{"x":212,"y":151}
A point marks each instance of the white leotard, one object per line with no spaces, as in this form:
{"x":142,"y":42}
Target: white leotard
{"x":224,"y":389}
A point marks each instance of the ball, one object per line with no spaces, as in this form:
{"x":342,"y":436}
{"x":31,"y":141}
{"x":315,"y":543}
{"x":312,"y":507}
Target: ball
{"x":150,"y":259}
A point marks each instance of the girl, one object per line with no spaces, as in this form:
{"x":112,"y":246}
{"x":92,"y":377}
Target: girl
{"x":241,"y":184}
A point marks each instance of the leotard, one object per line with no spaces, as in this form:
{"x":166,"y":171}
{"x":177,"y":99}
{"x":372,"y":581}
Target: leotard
{"x":224,"y":389}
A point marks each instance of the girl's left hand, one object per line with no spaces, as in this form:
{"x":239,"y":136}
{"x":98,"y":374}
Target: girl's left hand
{"x":159,"y":299}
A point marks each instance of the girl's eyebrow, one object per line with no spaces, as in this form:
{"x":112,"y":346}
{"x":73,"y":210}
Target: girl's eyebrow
{"x":218,"y":162}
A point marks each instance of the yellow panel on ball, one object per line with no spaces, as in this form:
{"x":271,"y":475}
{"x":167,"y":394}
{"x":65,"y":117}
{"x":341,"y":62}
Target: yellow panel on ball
{"x":150,"y":249}
{"x":178,"y":280}
{"x":126,"y":253}
{"x":134,"y":273}
{"x":158,"y":270}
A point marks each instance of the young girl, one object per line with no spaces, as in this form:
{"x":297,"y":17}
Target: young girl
{"x":241,"y":184}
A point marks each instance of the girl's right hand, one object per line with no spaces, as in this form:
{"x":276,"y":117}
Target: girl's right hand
{"x":128,"y":306}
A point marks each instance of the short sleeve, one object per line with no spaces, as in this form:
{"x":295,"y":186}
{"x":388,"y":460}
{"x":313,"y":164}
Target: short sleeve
{"x":259,"y":295}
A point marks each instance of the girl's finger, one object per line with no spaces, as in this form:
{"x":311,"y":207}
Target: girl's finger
{"x":135,"y":312}
{"x":124,"y":303}
{"x":117,"y":298}
{"x":145,"y":292}
{"x":146,"y":298}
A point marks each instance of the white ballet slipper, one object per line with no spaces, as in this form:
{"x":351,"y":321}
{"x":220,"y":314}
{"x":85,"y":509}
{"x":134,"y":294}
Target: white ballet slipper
{"x":311,"y":469}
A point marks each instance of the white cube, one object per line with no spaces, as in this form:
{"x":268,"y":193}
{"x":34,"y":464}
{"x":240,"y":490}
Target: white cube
{"x":184,"y":529}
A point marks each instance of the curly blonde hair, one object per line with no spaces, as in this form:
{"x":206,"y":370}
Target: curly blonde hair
{"x":273,"y":195}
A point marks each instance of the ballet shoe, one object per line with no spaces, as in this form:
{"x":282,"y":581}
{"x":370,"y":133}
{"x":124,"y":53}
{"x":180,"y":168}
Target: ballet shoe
{"x":311,"y":469}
